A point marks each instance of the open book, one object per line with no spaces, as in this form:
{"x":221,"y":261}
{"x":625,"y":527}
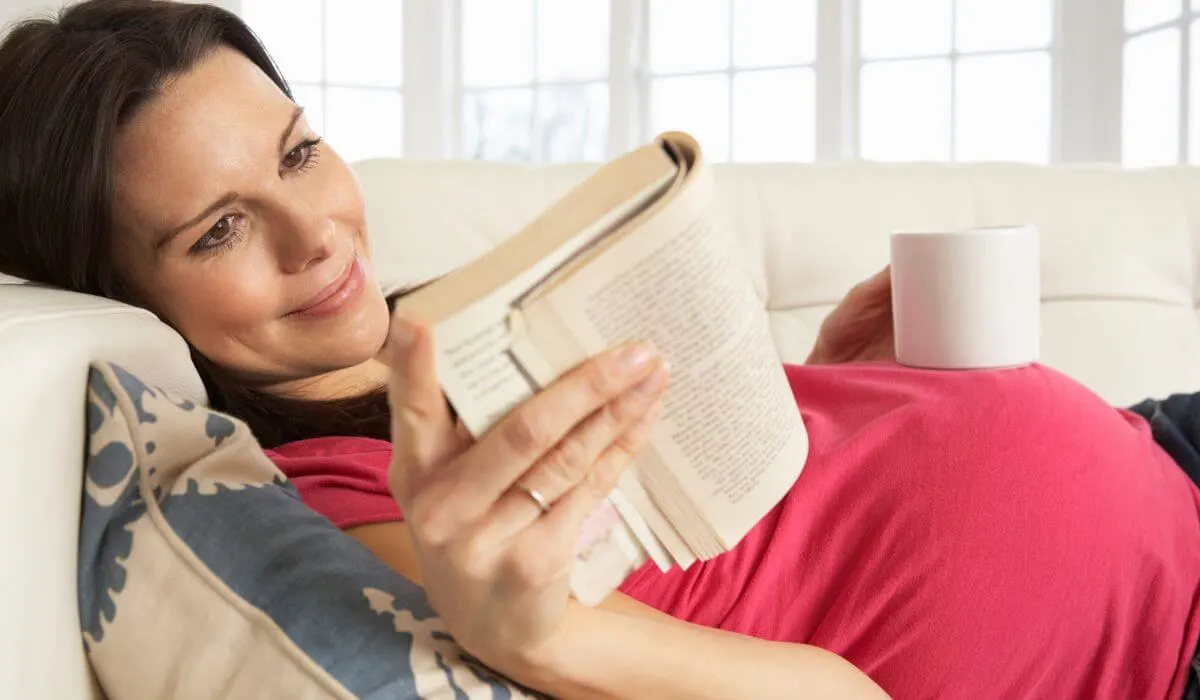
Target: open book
{"x":633,"y":253}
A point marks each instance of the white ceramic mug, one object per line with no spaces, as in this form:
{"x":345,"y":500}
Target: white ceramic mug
{"x":966,"y":299}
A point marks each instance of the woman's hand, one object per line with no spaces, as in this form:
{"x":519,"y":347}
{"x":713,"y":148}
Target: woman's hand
{"x":860,"y":328}
{"x":495,"y":566}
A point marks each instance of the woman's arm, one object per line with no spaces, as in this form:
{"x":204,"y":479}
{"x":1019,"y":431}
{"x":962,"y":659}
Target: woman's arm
{"x":393,"y":545}
{"x":495,"y":563}
{"x":604,"y":654}
{"x":625,"y":648}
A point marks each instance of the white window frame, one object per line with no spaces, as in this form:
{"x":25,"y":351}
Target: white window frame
{"x":639,"y":81}
{"x":1086,"y":62}
{"x":432,"y":72}
{"x":535,"y":86}
{"x":1183,"y":23}
{"x":953,"y":56}
{"x":1087,"y":101}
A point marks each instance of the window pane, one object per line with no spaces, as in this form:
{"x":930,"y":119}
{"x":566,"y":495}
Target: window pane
{"x":1140,"y":14}
{"x":363,"y":123}
{"x":312,"y":99}
{"x":291,"y":31}
{"x":1194,"y":94}
{"x":906,"y":110}
{"x":573,"y":122}
{"x":911,"y":28}
{"x":363,"y":42}
{"x":1150,"y":110}
{"x":698,"y":105}
{"x":1002,"y":105}
{"x":688,"y":35}
{"x":572,"y":39}
{"x":989,"y":25}
{"x":774,"y":32}
{"x":497,"y":125}
{"x":773,"y":115}
{"x":497,"y":38}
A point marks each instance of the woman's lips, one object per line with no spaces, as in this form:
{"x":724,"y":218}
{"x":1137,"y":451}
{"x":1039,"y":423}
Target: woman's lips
{"x":337,"y":294}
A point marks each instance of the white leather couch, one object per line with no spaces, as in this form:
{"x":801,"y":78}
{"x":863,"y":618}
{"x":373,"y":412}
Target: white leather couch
{"x":1120,"y":283}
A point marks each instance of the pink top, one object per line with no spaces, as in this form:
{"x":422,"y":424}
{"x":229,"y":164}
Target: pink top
{"x":954,"y":534}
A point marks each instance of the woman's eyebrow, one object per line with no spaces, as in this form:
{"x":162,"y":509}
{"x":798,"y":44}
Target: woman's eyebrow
{"x":164,"y":238}
{"x":283,"y":138}
{"x":169,"y":235}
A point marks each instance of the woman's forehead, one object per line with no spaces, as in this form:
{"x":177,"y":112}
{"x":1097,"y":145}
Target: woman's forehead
{"x":206,"y":130}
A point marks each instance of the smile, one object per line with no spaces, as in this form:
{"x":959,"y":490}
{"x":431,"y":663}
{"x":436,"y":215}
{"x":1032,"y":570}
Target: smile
{"x":336,"y":295}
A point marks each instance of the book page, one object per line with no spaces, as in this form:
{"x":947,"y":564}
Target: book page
{"x":617,"y":191}
{"x":475,"y":366}
{"x":606,"y":553}
{"x":473,"y":335}
{"x":731,"y":431}
{"x":480,"y":377}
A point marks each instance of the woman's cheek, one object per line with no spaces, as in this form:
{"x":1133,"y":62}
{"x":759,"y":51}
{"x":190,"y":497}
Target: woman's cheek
{"x":342,"y":194}
{"x":233,"y":299}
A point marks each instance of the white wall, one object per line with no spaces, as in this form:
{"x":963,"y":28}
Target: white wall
{"x":12,"y":10}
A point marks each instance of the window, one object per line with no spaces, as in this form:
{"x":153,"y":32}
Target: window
{"x":535,"y":79}
{"x":739,"y":75}
{"x":955,"y":80}
{"x":788,"y":80}
{"x":1160,"y":119}
{"x":538,"y":77}
{"x":345,"y":63}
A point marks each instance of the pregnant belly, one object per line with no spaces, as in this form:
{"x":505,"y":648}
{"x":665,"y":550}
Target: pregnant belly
{"x":953,"y":534}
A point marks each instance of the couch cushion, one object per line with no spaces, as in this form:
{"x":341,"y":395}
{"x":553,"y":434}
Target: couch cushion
{"x":47,"y":339}
{"x":201,"y":569}
{"x":1119,"y":247}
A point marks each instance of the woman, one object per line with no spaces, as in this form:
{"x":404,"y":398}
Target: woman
{"x":992,"y":534}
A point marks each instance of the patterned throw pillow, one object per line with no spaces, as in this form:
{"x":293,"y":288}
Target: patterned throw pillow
{"x":203,"y":575}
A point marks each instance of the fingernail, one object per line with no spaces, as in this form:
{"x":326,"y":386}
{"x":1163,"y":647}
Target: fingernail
{"x":634,"y":358}
{"x":653,"y":384}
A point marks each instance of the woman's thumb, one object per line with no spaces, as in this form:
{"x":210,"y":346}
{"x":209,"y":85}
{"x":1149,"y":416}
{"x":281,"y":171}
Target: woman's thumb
{"x":420,"y":416}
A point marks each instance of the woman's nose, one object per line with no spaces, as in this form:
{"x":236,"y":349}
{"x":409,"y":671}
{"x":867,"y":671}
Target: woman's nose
{"x":307,"y":238}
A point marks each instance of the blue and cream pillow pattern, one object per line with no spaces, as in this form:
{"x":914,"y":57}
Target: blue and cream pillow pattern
{"x":203,"y":575}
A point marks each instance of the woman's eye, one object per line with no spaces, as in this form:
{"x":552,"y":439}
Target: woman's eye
{"x":301,"y":157}
{"x":220,"y":235}
{"x":220,"y":230}
{"x":296,"y":157}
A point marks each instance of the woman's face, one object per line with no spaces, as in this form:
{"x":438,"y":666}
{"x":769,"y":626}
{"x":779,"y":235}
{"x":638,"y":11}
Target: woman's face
{"x":243,"y":231}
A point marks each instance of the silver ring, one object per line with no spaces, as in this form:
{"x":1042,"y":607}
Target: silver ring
{"x":536,"y":496}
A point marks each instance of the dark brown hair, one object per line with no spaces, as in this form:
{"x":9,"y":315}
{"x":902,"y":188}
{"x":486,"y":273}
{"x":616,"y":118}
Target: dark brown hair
{"x":67,"y":85}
